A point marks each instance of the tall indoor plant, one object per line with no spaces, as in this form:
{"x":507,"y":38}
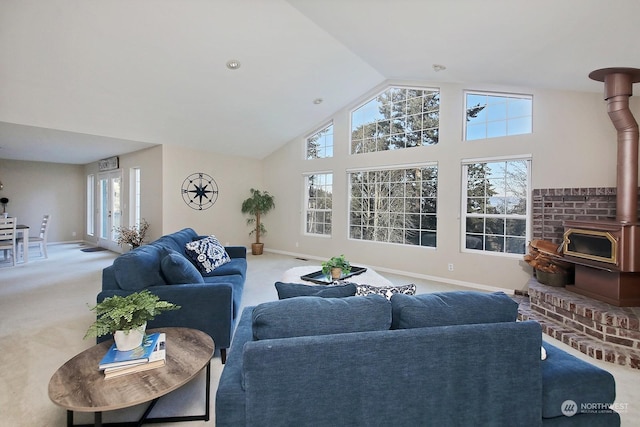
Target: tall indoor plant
{"x":257,"y":205}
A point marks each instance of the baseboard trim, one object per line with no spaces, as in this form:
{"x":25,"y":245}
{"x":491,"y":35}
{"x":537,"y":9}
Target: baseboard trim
{"x":461,"y":283}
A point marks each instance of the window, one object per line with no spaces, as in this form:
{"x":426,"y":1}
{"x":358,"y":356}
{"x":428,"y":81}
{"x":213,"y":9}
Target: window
{"x":135,"y":196}
{"x":397,"y":118}
{"x":394,"y":205}
{"x":319,"y":203}
{"x":91,"y":187}
{"x":494,"y":115}
{"x":320,"y":144}
{"x":495,"y":201}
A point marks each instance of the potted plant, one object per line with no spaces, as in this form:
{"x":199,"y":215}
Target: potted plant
{"x":336,"y":267}
{"x":132,"y":236}
{"x":126,"y":317}
{"x":257,"y":205}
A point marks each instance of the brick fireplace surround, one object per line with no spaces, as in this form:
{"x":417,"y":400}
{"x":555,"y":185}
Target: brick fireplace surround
{"x":595,"y":328}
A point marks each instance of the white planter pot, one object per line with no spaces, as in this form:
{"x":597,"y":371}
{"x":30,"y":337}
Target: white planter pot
{"x":128,"y":340}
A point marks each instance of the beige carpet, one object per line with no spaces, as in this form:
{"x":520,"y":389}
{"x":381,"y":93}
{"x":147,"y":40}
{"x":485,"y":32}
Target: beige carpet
{"x":44,"y":314}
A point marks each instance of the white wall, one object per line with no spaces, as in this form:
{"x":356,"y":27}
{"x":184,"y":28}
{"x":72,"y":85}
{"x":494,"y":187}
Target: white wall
{"x":234,"y":177}
{"x":573,"y":145}
{"x":38,"y":188}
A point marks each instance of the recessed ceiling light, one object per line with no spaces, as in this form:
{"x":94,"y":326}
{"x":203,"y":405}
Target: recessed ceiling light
{"x":317,"y":101}
{"x":438,"y":67}
{"x":233,"y":64}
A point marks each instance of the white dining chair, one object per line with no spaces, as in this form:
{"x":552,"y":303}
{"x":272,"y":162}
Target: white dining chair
{"x":40,"y":239}
{"x":8,"y":237}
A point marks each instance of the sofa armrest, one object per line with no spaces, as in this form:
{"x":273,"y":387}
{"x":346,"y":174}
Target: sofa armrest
{"x":204,"y":306}
{"x":230,"y":397}
{"x":109,"y":278}
{"x":236,"y":251}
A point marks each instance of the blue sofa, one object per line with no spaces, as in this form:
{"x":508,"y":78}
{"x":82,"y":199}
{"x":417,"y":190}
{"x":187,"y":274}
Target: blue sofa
{"x":443,"y":359}
{"x":210,"y":302}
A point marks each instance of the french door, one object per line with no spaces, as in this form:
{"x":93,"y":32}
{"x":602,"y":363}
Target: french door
{"x":109,"y":209}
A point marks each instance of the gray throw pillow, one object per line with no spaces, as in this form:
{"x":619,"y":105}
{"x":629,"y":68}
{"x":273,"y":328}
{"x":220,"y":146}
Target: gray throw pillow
{"x":292,"y":290}
{"x":308,"y":316}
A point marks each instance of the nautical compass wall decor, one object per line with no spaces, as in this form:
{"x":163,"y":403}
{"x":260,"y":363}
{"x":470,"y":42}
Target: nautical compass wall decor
{"x":199,"y":191}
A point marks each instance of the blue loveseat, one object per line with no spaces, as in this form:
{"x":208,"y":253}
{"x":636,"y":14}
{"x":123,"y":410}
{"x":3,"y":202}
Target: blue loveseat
{"x":444,"y":359}
{"x":210,"y":302}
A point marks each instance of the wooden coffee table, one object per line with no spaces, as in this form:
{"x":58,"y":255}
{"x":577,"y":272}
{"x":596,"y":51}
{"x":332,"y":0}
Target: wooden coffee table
{"x":79,"y":386}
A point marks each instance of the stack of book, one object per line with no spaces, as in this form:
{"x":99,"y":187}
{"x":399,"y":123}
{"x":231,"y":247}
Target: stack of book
{"x":151,"y":354}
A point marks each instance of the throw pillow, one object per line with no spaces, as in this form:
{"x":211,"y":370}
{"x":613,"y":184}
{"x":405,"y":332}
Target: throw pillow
{"x":177,"y":270}
{"x":308,"y":316}
{"x":452,"y":308}
{"x":207,"y":254}
{"x":139,"y":269}
{"x":291,"y":290}
{"x":386,"y":291}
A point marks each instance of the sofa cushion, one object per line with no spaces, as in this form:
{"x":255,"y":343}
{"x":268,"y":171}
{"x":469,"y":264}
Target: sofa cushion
{"x":206,"y":254}
{"x":304,"y":316}
{"x":452,"y":308}
{"x":292,"y":290}
{"x":177,"y":270}
{"x":140,"y":268}
{"x":385,"y":291}
{"x":234,"y":266}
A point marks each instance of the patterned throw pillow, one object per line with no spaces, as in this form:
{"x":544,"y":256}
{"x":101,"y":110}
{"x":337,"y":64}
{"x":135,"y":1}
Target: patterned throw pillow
{"x":207,"y":254}
{"x":385,"y":291}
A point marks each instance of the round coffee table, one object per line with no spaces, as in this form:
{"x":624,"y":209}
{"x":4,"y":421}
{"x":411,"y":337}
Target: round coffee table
{"x":79,"y":386}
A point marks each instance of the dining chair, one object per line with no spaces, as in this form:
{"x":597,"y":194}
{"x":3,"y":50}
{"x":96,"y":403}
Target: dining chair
{"x":8,"y":237}
{"x":40,"y":239}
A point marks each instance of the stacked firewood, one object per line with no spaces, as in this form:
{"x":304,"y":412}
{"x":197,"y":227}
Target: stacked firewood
{"x":546,"y":256}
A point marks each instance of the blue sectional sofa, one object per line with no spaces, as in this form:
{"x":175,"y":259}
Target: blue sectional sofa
{"x":210,"y":302}
{"x":443,"y":359}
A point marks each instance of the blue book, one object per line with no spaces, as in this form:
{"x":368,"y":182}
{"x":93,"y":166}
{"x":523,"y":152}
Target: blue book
{"x":138,"y":355}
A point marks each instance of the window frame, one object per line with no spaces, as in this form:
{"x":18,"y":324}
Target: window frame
{"x":306,"y":209}
{"x":433,"y":216}
{"x":518,"y":96}
{"x":464,"y":200}
{"x":91,"y":205}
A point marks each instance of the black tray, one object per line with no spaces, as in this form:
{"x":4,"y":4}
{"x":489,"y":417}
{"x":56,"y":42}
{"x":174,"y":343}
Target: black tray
{"x":322,"y":279}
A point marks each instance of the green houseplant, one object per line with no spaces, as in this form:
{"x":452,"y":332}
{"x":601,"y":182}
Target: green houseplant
{"x":126,"y":317}
{"x":336,"y":266}
{"x":257,"y":205}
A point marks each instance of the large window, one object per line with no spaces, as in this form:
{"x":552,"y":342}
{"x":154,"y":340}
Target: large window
{"x":320,"y":144}
{"x":495,"y":200}
{"x":318,"y":203}
{"x":493,"y":115}
{"x":135,"y":197}
{"x":394,"y":205}
{"x":91,"y":204}
{"x":397,"y":118}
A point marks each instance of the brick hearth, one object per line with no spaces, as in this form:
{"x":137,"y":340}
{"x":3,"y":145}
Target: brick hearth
{"x":597,"y":329}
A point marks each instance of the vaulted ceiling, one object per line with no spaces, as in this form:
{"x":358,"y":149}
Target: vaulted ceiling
{"x":83,"y":80}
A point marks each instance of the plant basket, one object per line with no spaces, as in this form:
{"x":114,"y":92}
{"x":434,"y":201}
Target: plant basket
{"x":558,"y":279}
{"x":257,"y":248}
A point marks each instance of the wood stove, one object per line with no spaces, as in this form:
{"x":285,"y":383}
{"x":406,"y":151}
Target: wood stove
{"x":607,"y":253}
